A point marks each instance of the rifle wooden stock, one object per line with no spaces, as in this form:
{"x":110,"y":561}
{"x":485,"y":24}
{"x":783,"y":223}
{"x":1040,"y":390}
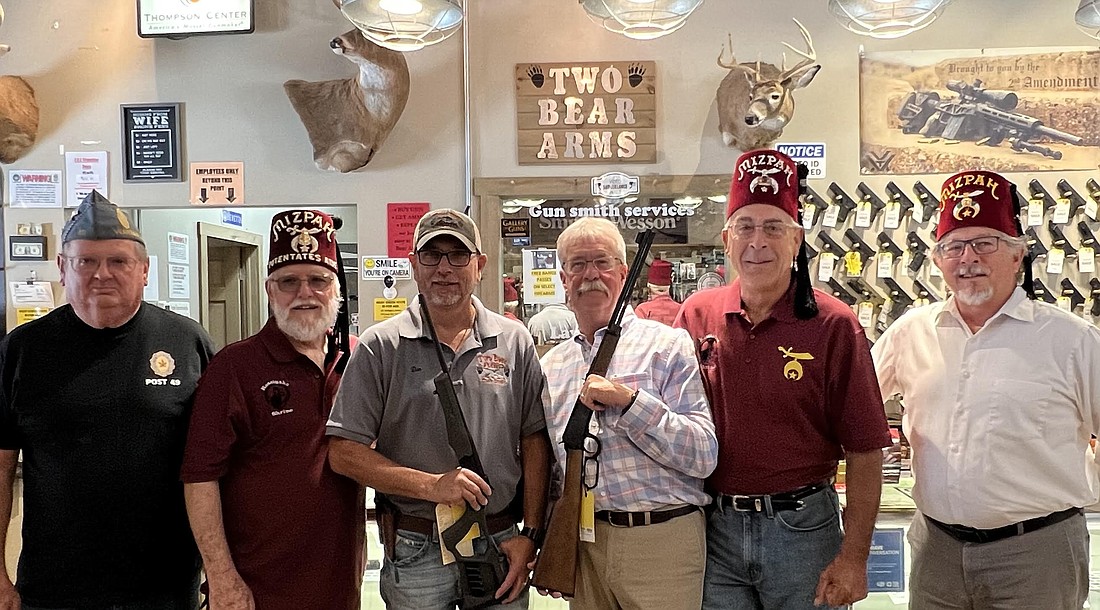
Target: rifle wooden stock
{"x":556,"y":569}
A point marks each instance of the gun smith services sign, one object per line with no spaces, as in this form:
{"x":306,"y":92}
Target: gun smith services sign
{"x":592,"y":112}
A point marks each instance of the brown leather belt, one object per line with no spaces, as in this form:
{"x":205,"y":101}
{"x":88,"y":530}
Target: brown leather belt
{"x":496,"y":523}
{"x":625,"y":519}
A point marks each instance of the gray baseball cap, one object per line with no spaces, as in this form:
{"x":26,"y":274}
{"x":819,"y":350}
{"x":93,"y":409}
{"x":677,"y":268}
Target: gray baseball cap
{"x":446,"y":221}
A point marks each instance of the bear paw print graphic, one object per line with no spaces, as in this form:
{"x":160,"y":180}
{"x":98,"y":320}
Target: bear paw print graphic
{"x":536,"y":75}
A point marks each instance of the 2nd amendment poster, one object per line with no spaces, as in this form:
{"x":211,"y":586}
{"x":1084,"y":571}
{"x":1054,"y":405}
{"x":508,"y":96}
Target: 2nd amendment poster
{"x":1003,"y":110}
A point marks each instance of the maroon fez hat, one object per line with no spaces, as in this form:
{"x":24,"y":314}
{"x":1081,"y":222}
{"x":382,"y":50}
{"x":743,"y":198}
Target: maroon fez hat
{"x":977,"y":199}
{"x":302,"y":236}
{"x":764,"y":176}
{"x":660,"y":273}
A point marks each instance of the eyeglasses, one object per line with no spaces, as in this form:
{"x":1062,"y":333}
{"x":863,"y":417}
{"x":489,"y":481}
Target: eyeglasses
{"x":773,"y":229}
{"x":292,"y":283}
{"x":602,"y":264}
{"x":91,"y":264}
{"x":980,"y":245}
{"x":455,"y":258}
{"x":590,"y":464}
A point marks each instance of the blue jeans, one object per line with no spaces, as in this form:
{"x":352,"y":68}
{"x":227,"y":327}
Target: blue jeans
{"x":416,"y":579}
{"x":770,"y":560}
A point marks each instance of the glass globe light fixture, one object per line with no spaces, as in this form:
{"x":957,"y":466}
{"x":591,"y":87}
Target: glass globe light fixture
{"x":404,"y":25}
{"x":1088,"y":17}
{"x":886,"y":18}
{"x":640,"y":19}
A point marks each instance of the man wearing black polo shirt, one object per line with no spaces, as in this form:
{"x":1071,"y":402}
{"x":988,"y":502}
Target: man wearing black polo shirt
{"x":792,"y":390}
{"x":96,"y":395}
{"x":1001,"y":394}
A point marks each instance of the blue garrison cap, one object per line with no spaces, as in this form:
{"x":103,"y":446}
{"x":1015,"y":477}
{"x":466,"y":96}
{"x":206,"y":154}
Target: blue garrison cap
{"x":96,"y":219}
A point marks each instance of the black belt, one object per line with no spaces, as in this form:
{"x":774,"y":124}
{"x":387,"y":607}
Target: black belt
{"x":623,"y":519}
{"x":789,"y":500}
{"x":963,"y":533}
{"x":496,"y":523}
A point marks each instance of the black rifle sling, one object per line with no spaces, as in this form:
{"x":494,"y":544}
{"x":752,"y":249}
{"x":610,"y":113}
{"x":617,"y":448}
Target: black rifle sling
{"x":481,"y":573}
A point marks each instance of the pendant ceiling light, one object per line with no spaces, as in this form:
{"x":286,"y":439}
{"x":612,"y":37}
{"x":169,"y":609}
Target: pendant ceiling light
{"x":640,"y":19}
{"x":404,"y":25}
{"x":886,"y":18}
{"x":1088,"y":17}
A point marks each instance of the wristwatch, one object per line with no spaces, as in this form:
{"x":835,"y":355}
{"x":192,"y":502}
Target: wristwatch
{"x":536,"y":534}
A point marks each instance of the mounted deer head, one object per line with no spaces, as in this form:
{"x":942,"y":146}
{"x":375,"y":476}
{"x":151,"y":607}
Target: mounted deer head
{"x":349,"y":119}
{"x":756,"y":100}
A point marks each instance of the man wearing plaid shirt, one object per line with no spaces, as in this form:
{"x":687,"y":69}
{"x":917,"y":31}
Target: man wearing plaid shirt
{"x":655,"y":437}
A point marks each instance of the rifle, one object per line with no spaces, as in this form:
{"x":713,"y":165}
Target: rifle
{"x":485,"y":568}
{"x":556,"y":567}
{"x":986,"y":116}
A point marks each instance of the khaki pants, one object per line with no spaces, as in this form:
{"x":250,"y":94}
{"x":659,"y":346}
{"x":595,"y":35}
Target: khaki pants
{"x":652,"y":567}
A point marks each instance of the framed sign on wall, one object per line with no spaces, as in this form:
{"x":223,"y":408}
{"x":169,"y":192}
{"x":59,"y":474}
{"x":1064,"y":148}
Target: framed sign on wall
{"x":183,"y":18}
{"x":151,"y":142}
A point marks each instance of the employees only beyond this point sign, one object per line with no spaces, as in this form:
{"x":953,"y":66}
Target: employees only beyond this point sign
{"x":381,"y":267}
{"x":219,"y":183}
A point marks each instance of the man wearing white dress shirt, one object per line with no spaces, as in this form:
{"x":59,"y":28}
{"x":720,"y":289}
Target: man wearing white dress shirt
{"x":1001,"y":394}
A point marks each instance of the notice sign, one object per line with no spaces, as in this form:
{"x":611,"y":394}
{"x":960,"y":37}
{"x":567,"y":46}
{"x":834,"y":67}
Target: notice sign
{"x":384,"y":309}
{"x":586,"y":112}
{"x":217,"y":183}
{"x":150,"y":141}
{"x":85,"y":172}
{"x":401,"y":219}
{"x":886,"y":563}
{"x":381,"y":267}
{"x":34,"y":188}
{"x":812,"y":155}
{"x":541,"y":281}
{"x":515,"y":227}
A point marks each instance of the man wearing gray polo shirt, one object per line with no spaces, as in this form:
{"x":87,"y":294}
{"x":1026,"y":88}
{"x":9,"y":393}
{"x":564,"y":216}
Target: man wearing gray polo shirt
{"x":389,"y":431}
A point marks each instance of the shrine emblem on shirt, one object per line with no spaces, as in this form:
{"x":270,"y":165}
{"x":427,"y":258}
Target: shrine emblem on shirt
{"x":793,"y":369}
{"x":162,"y":363}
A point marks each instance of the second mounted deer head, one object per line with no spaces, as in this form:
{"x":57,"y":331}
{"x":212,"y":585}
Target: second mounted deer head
{"x":756,"y":99}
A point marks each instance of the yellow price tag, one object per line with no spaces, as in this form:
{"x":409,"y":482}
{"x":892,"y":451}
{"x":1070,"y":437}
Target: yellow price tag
{"x":588,"y":517}
{"x":853,"y":264}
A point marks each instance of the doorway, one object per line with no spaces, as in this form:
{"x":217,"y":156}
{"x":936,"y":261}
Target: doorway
{"x":230,"y":303}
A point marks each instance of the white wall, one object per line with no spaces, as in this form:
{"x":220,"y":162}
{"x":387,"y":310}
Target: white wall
{"x":235,"y":109}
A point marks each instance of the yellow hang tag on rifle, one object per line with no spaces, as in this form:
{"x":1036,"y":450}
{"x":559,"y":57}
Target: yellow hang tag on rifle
{"x":588,"y":517}
{"x":445,"y":517}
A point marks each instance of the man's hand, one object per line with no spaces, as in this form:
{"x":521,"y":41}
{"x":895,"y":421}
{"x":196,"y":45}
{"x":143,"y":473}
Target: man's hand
{"x":599,"y":393}
{"x":545,"y":592}
{"x":9,"y":597}
{"x":458,"y":486}
{"x":228,"y":591}
{"x":520,"y":551}
{"x":844,"y":581}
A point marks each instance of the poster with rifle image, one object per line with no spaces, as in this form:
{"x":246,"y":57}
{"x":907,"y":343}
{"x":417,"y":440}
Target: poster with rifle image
{"x":1004,"y":110}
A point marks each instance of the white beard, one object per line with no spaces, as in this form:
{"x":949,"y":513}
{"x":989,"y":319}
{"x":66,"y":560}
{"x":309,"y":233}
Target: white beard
{"x":308,"y":327}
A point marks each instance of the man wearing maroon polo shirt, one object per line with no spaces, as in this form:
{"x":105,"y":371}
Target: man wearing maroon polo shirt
{"x":792,"y":390}
{"x":276,"y":527}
